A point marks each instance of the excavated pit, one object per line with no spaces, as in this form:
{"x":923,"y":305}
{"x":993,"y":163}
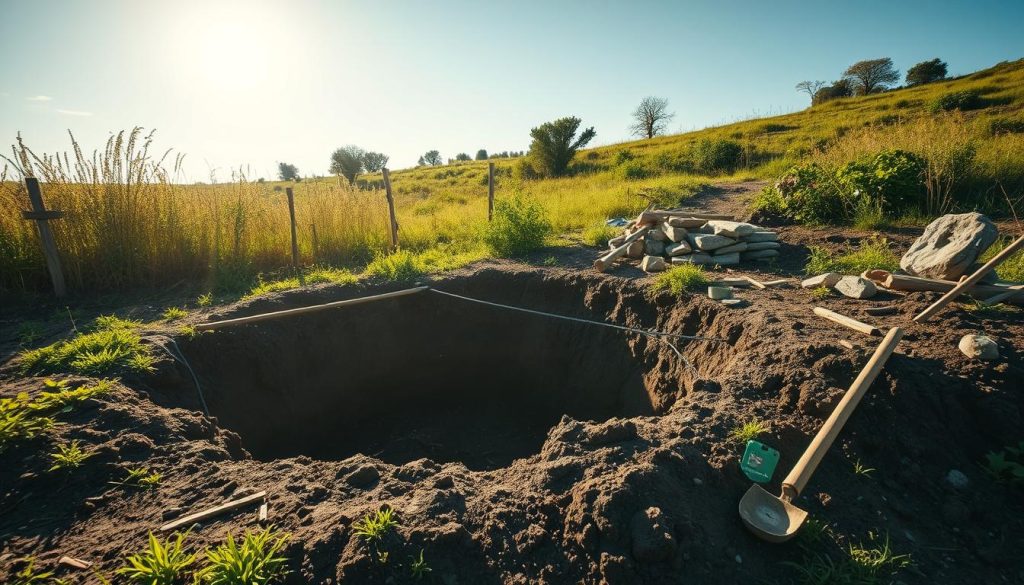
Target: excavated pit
{"x":426,"y":375}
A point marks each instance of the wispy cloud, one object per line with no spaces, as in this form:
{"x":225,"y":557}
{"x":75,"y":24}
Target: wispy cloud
{"x":39,"y":98}
{"x":73,"y":112}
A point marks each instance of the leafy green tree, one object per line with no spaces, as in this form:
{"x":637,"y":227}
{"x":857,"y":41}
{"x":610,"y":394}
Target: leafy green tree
{"x":481,"y":154}
{"x":432,"y":158}
{"x":926,"y":72}
{"x":555,"y":143}
{"x":462,"y":157}
{"x":839,"y":89}
{"x":872,"y":75}
{"x":347,"y":162}
{"x":373,"y":162}
{"x":287,"y":172}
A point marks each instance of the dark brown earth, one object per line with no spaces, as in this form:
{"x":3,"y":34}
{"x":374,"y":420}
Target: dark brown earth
{"x":517,"y":448}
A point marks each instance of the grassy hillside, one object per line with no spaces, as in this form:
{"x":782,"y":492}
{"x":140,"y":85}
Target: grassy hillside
{"x":128,"y":226}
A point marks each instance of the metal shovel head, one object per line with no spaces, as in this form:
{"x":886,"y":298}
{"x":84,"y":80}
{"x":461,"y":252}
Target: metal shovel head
{"x":768,"y":517}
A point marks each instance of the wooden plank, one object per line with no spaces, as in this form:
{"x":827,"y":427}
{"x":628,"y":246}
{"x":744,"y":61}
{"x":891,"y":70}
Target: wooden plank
{"x":967,"y":284}
{"x":847,"y":321}
{"x":214,"y":511}
{"x":295,"y":238}
{"x":301,"y":310}
{"x":490,"y":191}
{"x":756,"y":283}
{"x":903,"y":282}
{"x":776,"y":282}
{"x":391,"y":209}
{"x":35,"y":198}
{"x":998,"y":298}
{"x":602,"y":263}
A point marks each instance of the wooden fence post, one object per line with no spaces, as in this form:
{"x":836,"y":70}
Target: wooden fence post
{"x":295,"y":237}
{"x":490,"y":191}
{"x":41,"y":216}
{"x":391,"y":209}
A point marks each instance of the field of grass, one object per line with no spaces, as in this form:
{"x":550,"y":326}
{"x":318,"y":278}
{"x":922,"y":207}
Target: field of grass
{"x":128,"y":225}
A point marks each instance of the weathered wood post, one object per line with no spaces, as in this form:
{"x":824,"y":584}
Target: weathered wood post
{"x":490,"y":191}
{"x":41,"y":216}
{"x":391,"y":209}
{"x":295,"y":237}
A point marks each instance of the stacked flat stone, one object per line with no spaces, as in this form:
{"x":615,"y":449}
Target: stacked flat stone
{"x":688,"y":240}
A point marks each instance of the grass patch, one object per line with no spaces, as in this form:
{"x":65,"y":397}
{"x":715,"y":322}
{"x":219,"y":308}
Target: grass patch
{"x":1012,"y":268}
{"x":680,"y":278}
{"x":173,"y":313}
{"x":405,"y":265}
{"x":69,"y":456}
{"x":317,"y":275}
{"x":23,"y":417}
{"x":113,"y":345}
{"x":599,"y":235}
{"x":28,"y":575}
{"x":749,"y":430}
{"x":861,"y":469}
{"x":821,"y":293}
{"x":255,"y":560}
{"x":873,"y":253}
{"x":858,"y":564}
{"x":373,"y":527}
{"x":163,"y":563}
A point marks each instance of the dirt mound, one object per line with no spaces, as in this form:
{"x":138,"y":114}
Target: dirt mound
{"x":518,"y":448}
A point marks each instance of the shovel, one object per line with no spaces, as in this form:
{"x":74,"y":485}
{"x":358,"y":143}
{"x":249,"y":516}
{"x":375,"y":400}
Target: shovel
{"x":776,"y":519}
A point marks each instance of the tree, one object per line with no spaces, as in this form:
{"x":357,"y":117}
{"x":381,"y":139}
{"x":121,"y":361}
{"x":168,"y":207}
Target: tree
{"x":651,"y":117}
{"x":375,"y":161}
{"x":287,"y":172}
{"x":554,"y":146}
{"x":839,"y":89}
{"x":432,"y":158}
{"x":347,"y":162}
{"x":872,"y":75}
{"x":811,"y":87}
{"x":481,"y":154}
{"x":462,"y":157}
{"x":926,"y":72}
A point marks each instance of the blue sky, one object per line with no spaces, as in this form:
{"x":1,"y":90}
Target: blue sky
{"x":248,"y":83}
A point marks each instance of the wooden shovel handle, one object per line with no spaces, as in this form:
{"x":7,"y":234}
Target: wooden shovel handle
{"x":966,"y":284}
{"x":804,"y":468}
{"x":605,"y":261}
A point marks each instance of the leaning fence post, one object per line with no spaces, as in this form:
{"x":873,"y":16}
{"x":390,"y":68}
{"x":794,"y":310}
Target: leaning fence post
{"x":295,"y":237}
{"x":41,"y":216}
{"x":391,"y":209}
{"x":490,"y":190}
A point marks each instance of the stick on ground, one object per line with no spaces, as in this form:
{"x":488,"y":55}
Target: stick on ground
{"x":847,"y":321}
{"x":214,"y":511}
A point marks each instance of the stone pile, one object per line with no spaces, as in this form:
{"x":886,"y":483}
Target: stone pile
{"x":688,"y":240}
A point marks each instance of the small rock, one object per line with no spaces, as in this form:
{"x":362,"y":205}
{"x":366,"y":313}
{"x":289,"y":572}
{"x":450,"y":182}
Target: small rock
{"x":718,"y":293}
{"x":957,"y":479}
{"x":695,"y":258}
{"x":654,"y":247}
{"x":709,"y":242}
{"x":652,"y":264}
{"x":678,"y":249}
{"x":739,"y":559}
{"x":856,"y":287}
{"x":676,"y":234}
{"x":980,"y":347}
{"x":732,"y":302}
{"x":363,"y":477}
{"x":635,"y":249}
{"x":828,"y":279}
{"x":698,"y":481}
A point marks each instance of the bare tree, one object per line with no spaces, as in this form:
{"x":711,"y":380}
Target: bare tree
{"x":872,"y":75}
{"x":811,"y":87}
{"x":652,"y":116}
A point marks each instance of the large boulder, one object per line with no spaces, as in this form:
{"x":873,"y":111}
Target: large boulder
{"x":949,"y":245}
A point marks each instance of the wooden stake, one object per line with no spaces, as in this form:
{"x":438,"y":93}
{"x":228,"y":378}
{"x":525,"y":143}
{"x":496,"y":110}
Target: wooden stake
{"x":214,"y":511}
{"x":490,"y":191}
{"x":301,"y":310}
{"x":41,"y":216}
{"x":391,"y":209}
{"x":967,"y":284}
{"x":295,"y":237}
{"x":847,"y":321}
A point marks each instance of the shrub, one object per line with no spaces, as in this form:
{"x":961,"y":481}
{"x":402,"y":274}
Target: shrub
{"x":520,"y":225}
{"x":768,"y":202}
{"x":624,"y":156}
{"x":400,"y":265}
{"x":253,"y":561}
{"x":1005,"y":126}
{"x":968,"y":99}
{"x":679,"y":278}
{"x":113,"y":346}
{"x":634,"y":170}
{"x":714,"y":156}
{"x":812,"y":195}
{"x":892,"y":180}
{"x":673,"y":162}
{"x":163,"y":563}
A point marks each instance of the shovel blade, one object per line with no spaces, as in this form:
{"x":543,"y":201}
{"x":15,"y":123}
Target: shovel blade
{"x":769,"y":517}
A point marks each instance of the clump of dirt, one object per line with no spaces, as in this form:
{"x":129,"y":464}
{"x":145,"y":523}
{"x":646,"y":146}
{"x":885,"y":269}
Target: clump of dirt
{"x":517,"y":448}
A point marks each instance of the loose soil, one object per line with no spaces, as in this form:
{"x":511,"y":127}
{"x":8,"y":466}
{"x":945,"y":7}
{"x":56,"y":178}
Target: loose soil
{"x":517,"y":448}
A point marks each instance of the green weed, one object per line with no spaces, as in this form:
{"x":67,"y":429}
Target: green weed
{"x":374,"y":526}
{"x":749,"y":430}
{"x":22,"y":417}
{"x":821,"y":293}
{"x":113,"y":345}
{"x":205,"y":300}
{"x":28,"y":575}
{"x":316,"y":275}
{"x":69,"y":456}
{"x":862,"y":470}
{"x":255,"y":560}
{"x":418,"y":567}
{"x":142,"y":477}
{"x":1007,"y":465}
{"x":401,"y":265}
{"x":163,"y":563}
{"x":680,"y":278}
{"x":872,"y":253}
{"x":520,"y":225}
{"x":173,"y":313}
{"x":873,"y":564}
